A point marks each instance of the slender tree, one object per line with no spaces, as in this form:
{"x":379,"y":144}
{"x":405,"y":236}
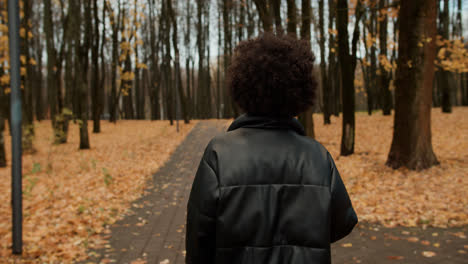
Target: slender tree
{"x":306,"y":117}
{"x":444,"y":75}
{"x":292,"y":23}
{"x":333,"y":69}
{"x":323,"y":70}
{"x":155,"y":76}
{"x":411,"y":145}
{"x":96,"y":89}
{"x":276,"y":6}
{"x":3,"y":99}
{"x":52,"y":74}
{"x":384,"y":77}
{"x":178,"y":77}
{"x":347,"y":77}
{"x":265,"y":15}
{"x":82,"y":47}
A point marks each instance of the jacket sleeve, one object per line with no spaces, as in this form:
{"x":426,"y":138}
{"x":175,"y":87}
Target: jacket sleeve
{"x":200,"y":236}
{"x":343,"y":216}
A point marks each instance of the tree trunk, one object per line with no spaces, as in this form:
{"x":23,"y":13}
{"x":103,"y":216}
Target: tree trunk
{"x":52,"y":74}
{"x":264,"y":13}
{"x":39,"y":82}
{"x":82,"y":48}
{"x":323,"y":73}
{"x":228,"y":100}
{"x":26,"y":79}
{"x":373,"y":59}
{"x":95,"y":84}
{"x":3,"y":113}
{"x":347,"y":80}
{"x":444,"y":75}
{"x":292,"y":24}
{"x":411,"y":145}
{"x":306,"y":118}
{"x":155,"y":76}
{"x":276,"y":6}
{"x":333,"y":72}
{"x":178,"y":78}
{"x":102,"y":83}
{"x":384,"y":77}
{"x":116,"y":26}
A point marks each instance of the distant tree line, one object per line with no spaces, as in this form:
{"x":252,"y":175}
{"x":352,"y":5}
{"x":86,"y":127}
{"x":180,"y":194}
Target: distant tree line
{"x":151,"y":59}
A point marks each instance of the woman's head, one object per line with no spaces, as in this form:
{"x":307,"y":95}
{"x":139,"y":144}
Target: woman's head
{"x":272,"y":76}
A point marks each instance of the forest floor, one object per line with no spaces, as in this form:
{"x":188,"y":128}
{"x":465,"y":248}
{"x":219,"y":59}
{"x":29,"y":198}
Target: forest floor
{"x":405,"y":216}
{"x":70,"y":195}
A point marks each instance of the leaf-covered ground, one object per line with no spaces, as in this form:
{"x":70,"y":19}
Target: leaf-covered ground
{"x":69,"y":194}
{"x":433,"y":197}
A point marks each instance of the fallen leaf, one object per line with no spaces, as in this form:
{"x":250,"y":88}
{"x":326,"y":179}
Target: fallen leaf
{"x":425,"y":242}
{"x":395,"y":257}
{"x":429,"y":254}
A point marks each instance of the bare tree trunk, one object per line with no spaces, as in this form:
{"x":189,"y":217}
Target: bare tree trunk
{"x":306,"y":118}
{"x":102,"y":83}
{"x":81,"y":65}
{"x":95,"y":84}
{"x":178,"y":78}
{"x":347,"y":80}
{"x":228,"y":101}
{"x":411,"y":145}
{"x":384,"y":77}
{"x":169,"y":88}
{"x":3,"y":113}
{"x":116,"y":27}
{"x":324,"y":79}
{"x":188,"y":100}
{"x":27,"y":92}
{"x":52,"y":67}
{"x":275,"y":5}
{"x":155,"y":76}
{"x":265,"y":15}
{"x":333,"y":72}
{"x":445,"y":75}
{"x":292,"y":24}
{"x":373,"y":59}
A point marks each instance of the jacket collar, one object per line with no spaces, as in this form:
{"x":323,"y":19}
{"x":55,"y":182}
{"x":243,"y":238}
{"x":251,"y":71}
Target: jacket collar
{"x":254,"y":121}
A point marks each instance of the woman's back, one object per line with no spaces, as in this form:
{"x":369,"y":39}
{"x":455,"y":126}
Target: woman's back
{"x":274,"y":193}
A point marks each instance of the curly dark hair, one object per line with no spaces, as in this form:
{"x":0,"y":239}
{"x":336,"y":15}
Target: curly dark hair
{"x":272,"y":76}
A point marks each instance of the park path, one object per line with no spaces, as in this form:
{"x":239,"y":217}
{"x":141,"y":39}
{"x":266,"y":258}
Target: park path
{"x":155,"y":232}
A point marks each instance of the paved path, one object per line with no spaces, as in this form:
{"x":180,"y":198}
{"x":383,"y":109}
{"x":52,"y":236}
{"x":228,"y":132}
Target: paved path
{"x":154,"y":233}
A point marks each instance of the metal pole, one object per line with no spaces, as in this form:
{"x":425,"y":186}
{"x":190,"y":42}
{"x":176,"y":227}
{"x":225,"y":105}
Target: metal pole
{"x":16,"y":192}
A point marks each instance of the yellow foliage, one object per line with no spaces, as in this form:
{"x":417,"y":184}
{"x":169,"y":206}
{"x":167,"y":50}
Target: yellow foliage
{"x":333,"y":31}
{"x":452,"y":56}
{"x":5,"y":79}
{"x":127,"y":76}
{"x":142,"y":66}
{"x":23,"y":59}
{"x":385,"y":63}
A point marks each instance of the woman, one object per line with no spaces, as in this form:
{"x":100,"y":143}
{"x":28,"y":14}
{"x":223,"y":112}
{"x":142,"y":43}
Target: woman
{"x":264,"y":193}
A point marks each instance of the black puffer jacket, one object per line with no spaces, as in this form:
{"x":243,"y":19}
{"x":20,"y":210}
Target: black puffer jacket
{"x":266,"y":194}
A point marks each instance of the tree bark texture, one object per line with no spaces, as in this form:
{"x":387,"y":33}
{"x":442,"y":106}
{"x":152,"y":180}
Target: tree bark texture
{"x":411,"y":145}
{"x":347,"y":80}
